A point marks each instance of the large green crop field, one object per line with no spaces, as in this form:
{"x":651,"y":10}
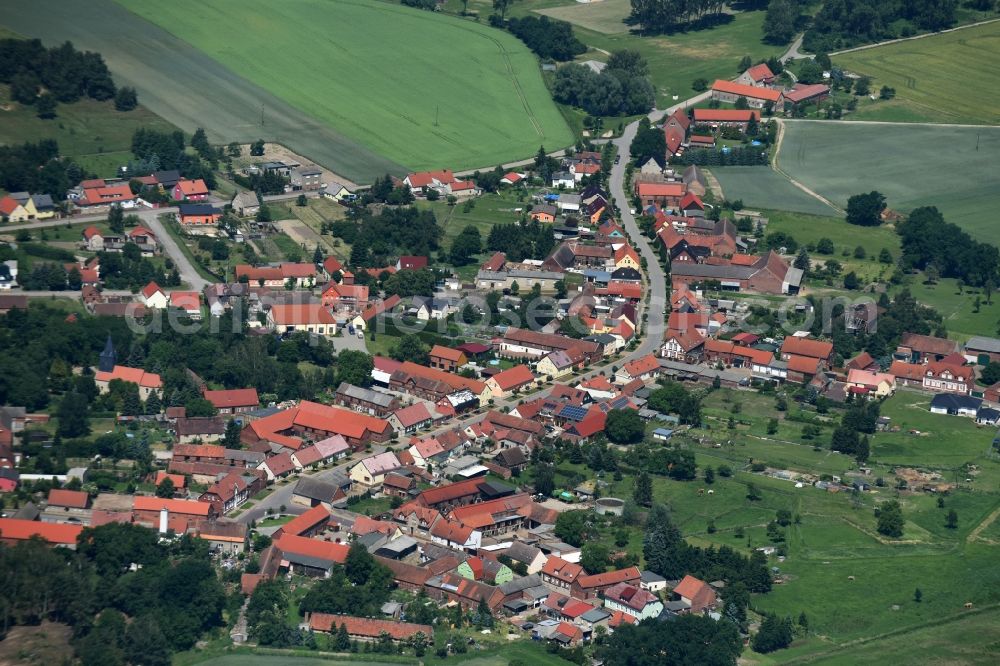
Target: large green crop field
{"x":953,"y":168}
{"x":948,"y":78}
{"x":423,"y":90}
{"x":760,"y":187}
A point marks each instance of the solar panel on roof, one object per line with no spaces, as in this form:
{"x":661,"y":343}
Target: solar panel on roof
{"x":573,"y":412}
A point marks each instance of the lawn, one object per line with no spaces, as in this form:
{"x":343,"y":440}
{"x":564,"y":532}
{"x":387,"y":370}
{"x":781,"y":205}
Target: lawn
{"x":838,"y":160}
{"x":760,"y":187}
{"x":945,"y":442}
{"x":93,"y":133}
{"x":932,"y":77}
{"x":607,"y":16}
{"x":958,"y":308}
{"x":449,"y":93}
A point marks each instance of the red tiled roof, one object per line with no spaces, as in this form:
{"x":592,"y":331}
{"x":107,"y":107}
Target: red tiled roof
{"x":186,"y":300}
{"x":76,"y":499}
{"x":742,"y":90}
{"x":322,"y":550}
{"x":760,"y":72}
{"x":642,"y":366}
{"x":806,"y":347}
{"x":803,"y":364}
{"x":803,"y":92}
{"x":233,"y":398}
{"x":725,"y":115}
{"x":425,"y":178}
{"x":184,"y":507}
{"x":367,"y":627}
{"x":451,"y":532}
{"x":447,"y":353}
{"x":512,"y":378}
{"x":449,"y":492}
{"x":556,"y":567}
{"x":299,"y":314}
{"x":306,"y":521}
{"x":412,"y":415}
{"x":609,"y":578}
{"x":662,"y":189}
{"x":150,"y":289}
{"x":54,"y":533}
{"x":199,"y":451}
{"x":133,"y":375}
{"x":910,"y":371}
{"x":190,"y":188}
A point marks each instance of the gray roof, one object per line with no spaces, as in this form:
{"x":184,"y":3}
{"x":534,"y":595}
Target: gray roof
{"x":314,"y":489}
{"x":520,"y":584}
{"x":793,"y":276}
{"x":537,"y":275}
{"x":522,"y":552}
{"x":595,"y":615}
{"x":570,"y":199}
{"x":952,"y":401}
{"x":981,"y":343}
{"x":712,"y":271}
{"x":651,"y":577}
{"x":244,"y":456}
{"x":545,"y":208}
{"x":43,"y":201}
{"x":366,"y":395}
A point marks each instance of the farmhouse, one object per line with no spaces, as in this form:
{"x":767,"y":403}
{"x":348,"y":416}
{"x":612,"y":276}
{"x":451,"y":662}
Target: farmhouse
{"x":147,"y":382}
{"x":802,"y":93}
{"x":233,"y":401}
{"x":190,"y":190}
{"x":940,"y":376}
{"x":303,"y":317}
{"x":446,"y":358}
{"x":697,"y":594}
{"x":372,"y":470}
{"x":316,"y":421}
{"x":14,"y":530}
{"x":758,"y":75}
{"x":635,"y":601}
{"x":366,"y":401}
{"x":198,"y":214}
{"x":769,"y":274}
{"x":523,"y":343}
{"x":877,"y":384}
{"x":667,"y":195}
{"x":506,"y":382}
{"x":757,"y":97}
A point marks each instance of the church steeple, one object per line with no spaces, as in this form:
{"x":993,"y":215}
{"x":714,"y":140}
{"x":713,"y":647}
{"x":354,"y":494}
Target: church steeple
{"x":108,"y":357}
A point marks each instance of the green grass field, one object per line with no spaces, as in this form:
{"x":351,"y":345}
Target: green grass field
{"x":958,"y":308}
{"x":952,"y":168}
{"x":763,"y":187}
{"x":94,"y":134}
{"x":606,"y":16}
{"x":932,"y":77}
{"x":426,"y":91}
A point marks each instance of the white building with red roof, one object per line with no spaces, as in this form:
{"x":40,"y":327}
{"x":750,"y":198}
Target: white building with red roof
{"x":153,"y":297}
{"x":147,"y":382}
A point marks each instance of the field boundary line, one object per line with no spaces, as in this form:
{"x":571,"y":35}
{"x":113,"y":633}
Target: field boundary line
{"x":806,"y":659}
{"x":986,"y":522}
{"x":885,"y":122}
{"x":890,"y":42}
{"x":779,"y":170}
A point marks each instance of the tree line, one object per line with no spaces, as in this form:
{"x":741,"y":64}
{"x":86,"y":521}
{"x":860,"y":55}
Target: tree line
{"x":847,"y":23}
{"x":672,"y":15}
{"x":550,"y":39}
{"x":520,"y":241}
{"x":929,"y":241}
{"x":37,"y":167}
{"x":156,"y":151}
{"x":735,"y":156}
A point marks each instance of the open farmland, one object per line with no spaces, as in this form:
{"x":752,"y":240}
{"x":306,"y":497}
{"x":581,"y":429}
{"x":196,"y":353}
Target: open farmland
{"x":606,"y":16}
{"x":956,"y":169}
{"x":932,"y":77}
{"x":447,"y":93}
{"x":760,"y":187}
{"x":188,"y":88}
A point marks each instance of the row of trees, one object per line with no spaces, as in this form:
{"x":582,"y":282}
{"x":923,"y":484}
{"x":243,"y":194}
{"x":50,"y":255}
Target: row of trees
{"x":66,"y":74}
{"x":929,"y":241}
{"x":851,"y":22}
{"x":157,"y":150}
{"x":670,"y":15}
{"x":735,"y":156}
{"x":550,"y":39}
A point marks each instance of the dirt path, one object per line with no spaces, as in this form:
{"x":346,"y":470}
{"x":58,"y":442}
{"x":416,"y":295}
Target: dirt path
{"x":714,"y":185}
{"x":778,"y":169}
{"x":910,"y":39}
{"x":987,"y":521}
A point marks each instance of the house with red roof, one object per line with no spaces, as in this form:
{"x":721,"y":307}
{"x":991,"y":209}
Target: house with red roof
{"x":371,"y":471}
{"x":15,"y":530}
{"x":875,"y":384}
{"x":559,"y":573}
{"x":190,"y":190}
{"x":756,"y":97}
{"x":188,"y":302}
{"x":817,"y":349}
{"x":99,"y":193}
{"x":309,"y":557}
{"x":507,"y":382}
{"x":315,"y":421}
{"x":312,"y":522}
{"x":686,"y":345}
{"x":233,"y":401}
{"x":759,"y":75}
{"x":417,"y":182}
{"x":511,"y":178}
{"x":805,"y":93}
{"x":351,"y":297}
{"x":231,"y":491}
{"x":11,"y":210}
{"x":301,"y":317}
{"x":411,"y":263}
{"x":646,"y":367}
{"x":147,"y":382}
{"x":180,"y":514}
{"x":407,"y":420}
{"x":67,"y":502}
{"x":153,"y":297}
{"x":446,"y":358}
{"x":698,"y":594}
{"x":944,"y":377}
{"x":452,"y":534}
{"x":667,"y":195}
{"x":674,"y":139}
{"x":591,"y":586}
